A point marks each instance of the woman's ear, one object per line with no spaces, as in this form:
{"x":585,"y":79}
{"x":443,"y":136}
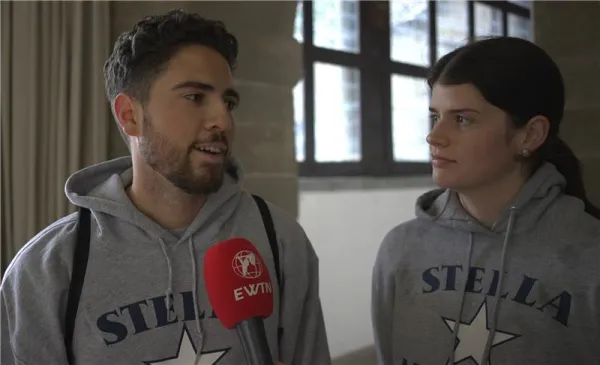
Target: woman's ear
{"x":533,"y":134}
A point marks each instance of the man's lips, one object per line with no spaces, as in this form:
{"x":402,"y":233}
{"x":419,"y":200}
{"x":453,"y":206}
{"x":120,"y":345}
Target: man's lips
{"x":216,"y":148}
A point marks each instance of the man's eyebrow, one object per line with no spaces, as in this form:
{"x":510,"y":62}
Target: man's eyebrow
{"x":232,"y":94}
{"x":456,"y":111}
{"x":205,"y":87}
{"x":193,"y":85}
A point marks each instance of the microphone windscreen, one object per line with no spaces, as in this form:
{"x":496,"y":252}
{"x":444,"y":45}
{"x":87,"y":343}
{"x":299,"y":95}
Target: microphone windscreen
{"x":237,"y":282}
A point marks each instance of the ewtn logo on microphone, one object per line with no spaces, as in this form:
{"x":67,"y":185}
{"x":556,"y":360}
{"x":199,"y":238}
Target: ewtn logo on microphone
{"x":248,"y":266}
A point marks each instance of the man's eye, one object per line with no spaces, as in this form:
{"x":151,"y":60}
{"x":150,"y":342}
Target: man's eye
{"x":195,"y":97}
{"x":232,"y":104}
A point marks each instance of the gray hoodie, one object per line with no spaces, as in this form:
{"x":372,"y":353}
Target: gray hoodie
{"x":438,"y":280}
{"x":143,"y":300}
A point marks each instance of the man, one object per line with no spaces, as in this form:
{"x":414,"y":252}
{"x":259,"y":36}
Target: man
{"x":153,"y":216}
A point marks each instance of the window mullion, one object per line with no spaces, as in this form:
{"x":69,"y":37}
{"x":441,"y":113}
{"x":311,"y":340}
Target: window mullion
{"x":375,"y":87}
{"x":309,"y":87}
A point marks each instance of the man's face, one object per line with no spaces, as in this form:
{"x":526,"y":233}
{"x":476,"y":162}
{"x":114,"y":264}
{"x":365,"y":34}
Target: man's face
{"x":188,"y":125}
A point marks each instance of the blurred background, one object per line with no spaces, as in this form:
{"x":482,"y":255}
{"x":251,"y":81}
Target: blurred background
{"x":332,"y":122}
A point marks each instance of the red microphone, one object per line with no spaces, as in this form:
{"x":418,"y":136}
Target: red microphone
{"x":241,"y":293}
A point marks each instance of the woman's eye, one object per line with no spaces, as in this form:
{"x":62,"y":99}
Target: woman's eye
{"x":463,"y":120}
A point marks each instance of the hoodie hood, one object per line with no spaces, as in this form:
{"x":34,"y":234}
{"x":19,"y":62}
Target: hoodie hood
{"x":101,"y":189}
{"x":443,"y":207}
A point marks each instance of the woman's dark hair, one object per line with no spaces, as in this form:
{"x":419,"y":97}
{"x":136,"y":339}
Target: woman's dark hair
{"x":520,"y":78}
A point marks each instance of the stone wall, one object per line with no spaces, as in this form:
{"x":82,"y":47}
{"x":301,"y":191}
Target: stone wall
{"x":570,"y":32}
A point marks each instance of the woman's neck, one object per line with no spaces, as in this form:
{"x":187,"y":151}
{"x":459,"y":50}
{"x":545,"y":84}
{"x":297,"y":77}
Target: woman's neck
{"x":487,"y":203}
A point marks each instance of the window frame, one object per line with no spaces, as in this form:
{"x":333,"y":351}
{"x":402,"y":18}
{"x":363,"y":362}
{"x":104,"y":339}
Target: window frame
{"x":376,"y":69}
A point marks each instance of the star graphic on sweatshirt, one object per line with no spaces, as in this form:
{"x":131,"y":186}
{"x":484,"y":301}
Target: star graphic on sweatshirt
{"x":472,"y":337}
{"x":186,"y":353}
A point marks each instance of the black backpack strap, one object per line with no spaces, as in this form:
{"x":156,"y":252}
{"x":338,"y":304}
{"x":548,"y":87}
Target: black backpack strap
{"x":80,"y":260}
{"x":270,"y":228}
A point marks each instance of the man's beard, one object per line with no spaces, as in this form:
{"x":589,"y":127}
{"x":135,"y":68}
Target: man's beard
{"x":175,"y":164}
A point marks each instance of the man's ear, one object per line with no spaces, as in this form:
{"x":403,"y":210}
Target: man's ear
{"x":534,"y":133}
{"x":128,"y":113}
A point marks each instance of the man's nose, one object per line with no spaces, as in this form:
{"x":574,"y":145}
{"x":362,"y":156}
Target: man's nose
{"x":219,"y":117}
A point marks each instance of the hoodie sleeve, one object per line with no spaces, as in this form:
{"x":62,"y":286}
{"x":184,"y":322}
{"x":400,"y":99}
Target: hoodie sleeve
{"x":304,"y":340}
{"x":32,"y":300}
{"x":382,"y":305}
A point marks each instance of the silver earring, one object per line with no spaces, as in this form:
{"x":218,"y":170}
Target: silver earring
{"x":525,"y":153}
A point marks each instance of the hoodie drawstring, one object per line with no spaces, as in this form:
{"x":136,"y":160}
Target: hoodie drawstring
{"x":462,"y":299}
{"x":200,"y":344}
{"x":497,"y":296}
{"x":169,"y":292}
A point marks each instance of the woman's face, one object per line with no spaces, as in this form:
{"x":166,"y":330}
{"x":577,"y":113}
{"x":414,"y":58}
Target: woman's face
{"x":472,"y":142}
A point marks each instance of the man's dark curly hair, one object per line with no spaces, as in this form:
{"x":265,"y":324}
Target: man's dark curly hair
{"x":142,"y":53}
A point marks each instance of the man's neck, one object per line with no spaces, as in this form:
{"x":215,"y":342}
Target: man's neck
{"x":486,"y":204}
{"x":157,"y":198}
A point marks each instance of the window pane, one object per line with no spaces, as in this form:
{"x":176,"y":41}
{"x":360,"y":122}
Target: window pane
{"x":299,"y":23}
{"x":409,"y":29}
{"x":336,"y":25}
{"x":410,"y":118}
{"x":519,"y":26}
{"x":488,"y":21}
{"x":337,"y":113}
{"x":452,"y":26}
{"x":299,"y":126}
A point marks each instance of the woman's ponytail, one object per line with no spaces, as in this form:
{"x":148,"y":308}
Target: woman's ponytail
{"x":558,"y":153}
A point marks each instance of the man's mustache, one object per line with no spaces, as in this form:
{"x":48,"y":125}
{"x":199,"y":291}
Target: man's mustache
{"x":213,"y":138}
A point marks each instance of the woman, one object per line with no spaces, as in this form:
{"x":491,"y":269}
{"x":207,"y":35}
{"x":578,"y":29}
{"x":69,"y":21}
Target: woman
{"x":501,"y":265}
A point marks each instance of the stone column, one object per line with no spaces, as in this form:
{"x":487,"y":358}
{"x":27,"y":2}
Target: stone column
{"x":269,"y":65}
{"x":570,"y":32}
